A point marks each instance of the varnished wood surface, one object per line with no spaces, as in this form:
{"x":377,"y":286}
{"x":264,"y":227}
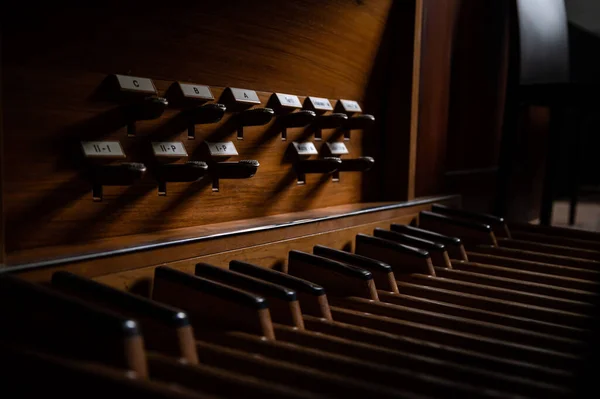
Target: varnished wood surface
{"x":218,"y":381}
{"x":448,"y":308}
{"x":50,"y":203}
{"x":494,"y":304}
{"x":263,"y":35}
{"x":282,"y":371}
{"x":211,"y":309}
{"x":54,"y":103}
{"x":523,"y":274}
{"x":445,"y":351}
{"x":446,"y":336}
{"x":436,"y":68}
{"x":206,"y":240}
{"x":542,"y":257}
{"x":519,"y":285}
{"x":271,"y":255}
{"x":385,"y":356}
{"x":392,"y":381}
{"x":477,"y":327}
{"x":399,"y":150}
{"x":56,"y":375}
{"x":551,"y":303}
{"x":589,"y":275}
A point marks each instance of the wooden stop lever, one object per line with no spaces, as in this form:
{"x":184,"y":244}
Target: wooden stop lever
{"x":122,"y":174}
{"x":362,"y":122}
{"x":203,"y":115}
{"x":360,"y":164}
{"x":243,"y":169}
{"x":147,"y":109}
{"x":189,"y":171}
{"x":325,"y":165}
{"x":253,"y":117}
{"x":331,"y":121}
{"x":295,"y":119}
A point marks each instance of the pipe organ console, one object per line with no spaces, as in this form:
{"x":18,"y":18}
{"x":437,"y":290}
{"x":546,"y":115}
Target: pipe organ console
{"x":214,"y":200}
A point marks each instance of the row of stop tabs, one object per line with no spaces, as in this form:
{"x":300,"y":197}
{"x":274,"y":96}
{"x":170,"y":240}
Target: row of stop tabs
{"x":139,"y":100}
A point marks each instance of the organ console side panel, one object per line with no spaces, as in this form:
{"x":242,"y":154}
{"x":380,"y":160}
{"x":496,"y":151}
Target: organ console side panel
{"x":55,"y":66}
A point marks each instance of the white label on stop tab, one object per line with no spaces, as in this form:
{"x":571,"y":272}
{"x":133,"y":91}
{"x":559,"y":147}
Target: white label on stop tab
{"x":222,"y":149}
{"x":306,"y":148}
{"x":137,"y":84}
{"x":169,"y":149}
{"x":337,"y":148}
{"x":245,"y":96}
{"x":102,"y":149}
{"x":350,"y":106}
{"x":322,"y":104}
{"x":288,"y":100}
{"x":196,"y":91}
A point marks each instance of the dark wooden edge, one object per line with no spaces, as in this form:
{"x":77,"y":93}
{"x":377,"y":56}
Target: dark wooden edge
{"x":351,"y":259}
{"x":380,"y":242}
{"x":252,"y":284}
{"x":409,"y":240}
{"x":276,"y":277}
{"x":456,"y":221}
{"x":22,"y":291}
{"x":426,"y":234}
{"x":72,"y":283}
{"x":555,"y":231}
{"x":153,"y":243}
{"x":2,"y":217}
{"x":479,"y":217}
{"x":331,"y":265}
{"x":210,"y":287}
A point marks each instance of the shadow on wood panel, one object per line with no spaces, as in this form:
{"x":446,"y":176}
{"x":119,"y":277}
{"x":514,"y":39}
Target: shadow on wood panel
{"x":83,"y":232}
{"x":22,"y":224}
{"x":389,"y":96}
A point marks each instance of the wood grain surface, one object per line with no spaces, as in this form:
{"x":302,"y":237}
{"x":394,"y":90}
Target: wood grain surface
{"x":97,"y":258}
{"x":271,"y":255}
{"x":53,"y":98}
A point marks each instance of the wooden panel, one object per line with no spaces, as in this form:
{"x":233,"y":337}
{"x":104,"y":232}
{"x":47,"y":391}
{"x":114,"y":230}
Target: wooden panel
{"x":525,"y":190}
{"x":398,"y":143}
{"x":300,"y":46}
{"x":463,"y":82}
{"x":272,"y":255}
{"x":437,"y":45}
{"x":51,"y":204}
{"x":477,"y":187}
{"x":54,"y":62}
{"x":220,"y":238}
{"x":2,"y":225}
{"x":478,"y":86}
